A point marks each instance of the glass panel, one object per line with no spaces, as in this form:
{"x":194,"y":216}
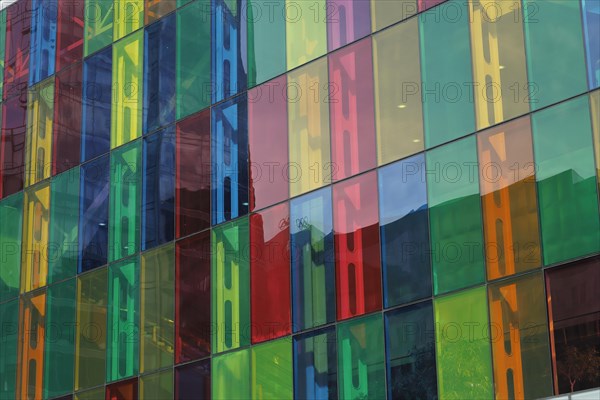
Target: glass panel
{"x":127,"y":89}
{"x":455,"y":216}
{"x":31,"y":346}
{"x":231,"y":376}
{"x":158,"y":203}
{"x":43,"y":39}
{"x":447,"y":87}
{"x":268,"y":143}
{"x":356,"y":235}
{"x":125,"y":201}
{"x":158,"y":386}
{"x":595,"y":111}
{"x":270,"y":273}
{"x":98,"y":16}
{"x":93,"y":394}
{"x":192,"y":381}
{"x":313,"y":262}
{"x":40,"y":113}
{"x":155,"y":9}
{"x":306,"y":31}
{"x":192,"y":197}
{"x":308,"y":128}
{"x":566,"y":181}
{"x":405,"y":249}
{"x":69,"y":35}
{"x":272,"y":370}
{"x":127,"y":390}
{"x":554,"y":77}
{"x":2,"y":46}
{"x":386,"y":13}
{"x":157,"y":287}
{"x":463,"y":338}
{"x":315,"y":365}
{"x":16,"y":56}
{"x":361,"y":353}
{"x":11,"y":231}
{"x":347,"y":21}
{"x":591,"y":20}
{"x":34,"y":258}
{"x":192,"y":298}
{"x":12,"y":156}
{"x":9,"y":318}
{"x":128,"y":17}
{"x":230,"y":282}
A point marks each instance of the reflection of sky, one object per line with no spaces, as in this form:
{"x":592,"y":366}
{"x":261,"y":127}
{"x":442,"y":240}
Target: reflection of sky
{"x":312,"y":209}
{"x":6,"y":3}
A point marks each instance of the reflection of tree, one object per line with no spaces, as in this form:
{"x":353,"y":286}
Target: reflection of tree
{"x":579,"y":364}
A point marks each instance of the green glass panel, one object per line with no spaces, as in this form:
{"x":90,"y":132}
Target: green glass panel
{"x":125,"y":201}
{"x":94,"y":394}
{"x":464,"y":363}
{"x":11,"y":229}
{"x":193,"y":58}
{"x":447,"y":92}
{"x":230,"y":376}
{"x":64,"y":219}
{"x":9,"y":320}
{"x":2,"y":46}
{"x":455,"y":216}
{"x":230,"y":284}
{"x":157,"y":386}
{"x":98,"y":16}
{"x":361,"y":352}
{"x":157,"y":308}
{"x":122,"y":344}
{"x":566,"y":179}
{"x":306,"y":31}
{"x":272,"y":370}
{"x":555,"y":51}
{"x":59,"y":351}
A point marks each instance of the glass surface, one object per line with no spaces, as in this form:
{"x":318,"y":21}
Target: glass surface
{"x":11,"y":230}
{"x":125,"y":390}
{"x":567,"y":190}
{"x":192,"y":298}
{"x":313,"y":262}
{"x":192,"y":381}
{"x":268,"y":143}
{"x":270,"y":273}
{"x":463,"y":338}
{"x":42,"y":49}
{"x":595,"y":112}
{"x":125,"y":201}
{"x":554,"y":76}
{"x":315,"y":365}
{"x":591,"y":21}
{"x":192,"y":187}
{"x":157,"y":386}
{"x":12,"y":155}
{"x":353,"y":148}
{"x":9,"y":318}
{"x":425,"y":4}
{"x":447,"y":81}
{"x":356,"y":236}
{"x":455,"y":221}
{"x":231,"y":376}
{"x":386,"y":13}
{"x":127,"y":89}
{"x":40,"y":114}
{"x":2,"y":46}
{"x":30,"y":362}
{"x":98,"y":17}
{"x":128,"y":17}
{"x":306,"y":31}
{"x":230,"y":282}
{"x":272,"y":370}
{"x":155,"y":9}
{"x":347,"y":21}
{"x":158,"y":201}
{"x":361,"y":353}
{"x":157,"y":312}
{"x":69,"y":33}
{"x":16,"y":51}
{"x":308,"y":128}
{"x":404,"y":229}
{"x":92,"y":394}
{"x":34,"y":258}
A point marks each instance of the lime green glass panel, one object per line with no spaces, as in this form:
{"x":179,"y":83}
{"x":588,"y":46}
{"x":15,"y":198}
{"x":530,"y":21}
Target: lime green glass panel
{"x":361,"y":353}
{"x":157,"y":308}
{"x":555,"y":51}
{"x":306,"y":31}
{"x":462,"y":334}
{"x":9,"y":320}
{"x":230,"y":285}
{"x":125,"y":201}
{"x":127,"y":110}
{"x":386,"y":13}
{"x":98,"y":15}
{"x":2,"y":46}
{"x":59,"y":351}
{"x":272,"y":370}
{"x":128,"y":17}
{"x":64,"y":219}
{"x":455,"y":216}
{"x":157,"y":386}
{"x":230,"y":376}
{"x":122,"y":350}
{"x":11,"y":229}
{"x":566,"y":179}
{"x":40,"y":114}
{"x":193,"y":58}
{"x":94,"y":394}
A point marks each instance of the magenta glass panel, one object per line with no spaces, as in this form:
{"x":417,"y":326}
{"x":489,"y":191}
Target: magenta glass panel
{"x":67,"y":119}
{"x":347,"y":21}
{"x":425,"y":4}
{"x":356,"y":242}
{"x":268,"y":143}
{"x":16,"y":56}
{"x":192,"y":298}
{"x":270,"y":273}
{"x":12,"y":153}
{"x":352,"y":111}
{"x":69,"y":34}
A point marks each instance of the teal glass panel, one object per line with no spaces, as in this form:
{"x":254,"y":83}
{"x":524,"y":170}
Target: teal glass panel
{"x":9,"y":321}
{"x":272,"y":370}
{"x":98,"y":18}
{"x":11,"y":226}
{"x":231,"y":376}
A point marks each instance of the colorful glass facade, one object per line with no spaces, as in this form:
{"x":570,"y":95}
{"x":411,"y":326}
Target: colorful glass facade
{"x":328,"y":199}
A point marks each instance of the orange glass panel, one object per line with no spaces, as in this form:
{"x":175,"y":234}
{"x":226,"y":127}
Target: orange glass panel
{"x":31,"y":347}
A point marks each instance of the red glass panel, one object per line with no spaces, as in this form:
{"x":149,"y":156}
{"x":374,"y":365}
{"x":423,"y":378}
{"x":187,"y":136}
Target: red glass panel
{"x":12,"y":154}
{"x":270,"y":273}
{"x":356,"y":237}
{"x":67,"y":119}
{"x":192,"y":298}
{"x":69,"y":34}
{"x":425,"y":4}
{"x":268,"y":143}
{"x":16,"y":56}
{"x":126,"y":390}
{"x":352,"y":111}
{"x":193,"y":174}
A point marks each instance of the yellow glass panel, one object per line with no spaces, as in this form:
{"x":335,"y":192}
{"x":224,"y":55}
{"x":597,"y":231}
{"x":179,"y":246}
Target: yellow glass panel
{"x":40,"y":113}
{"x":387,"y":12}
{"x":31,"y":347}
{"x":306,"y":32}
{"x":34,"y":256}
{"x":94,"y":394}
{"x":595,"y":105}
{"x":499,"y":66}
{"x":129,"y":17}
{"x":308,"y":123}
{"x":128,"y":62}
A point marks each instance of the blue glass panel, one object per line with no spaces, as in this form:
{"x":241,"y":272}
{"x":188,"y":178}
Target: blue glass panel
{"x":93,"y":220}
{"x":315,"y":365}
{"x":158,"y":203}
{"x":229,"y":160}
{"x":591,"y":20}
{"x":313,"y":263}
{"x":43,"y":39}
{"x":159,"y":74}
{"x":404,"y":231}
{"x":97,"y":80}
